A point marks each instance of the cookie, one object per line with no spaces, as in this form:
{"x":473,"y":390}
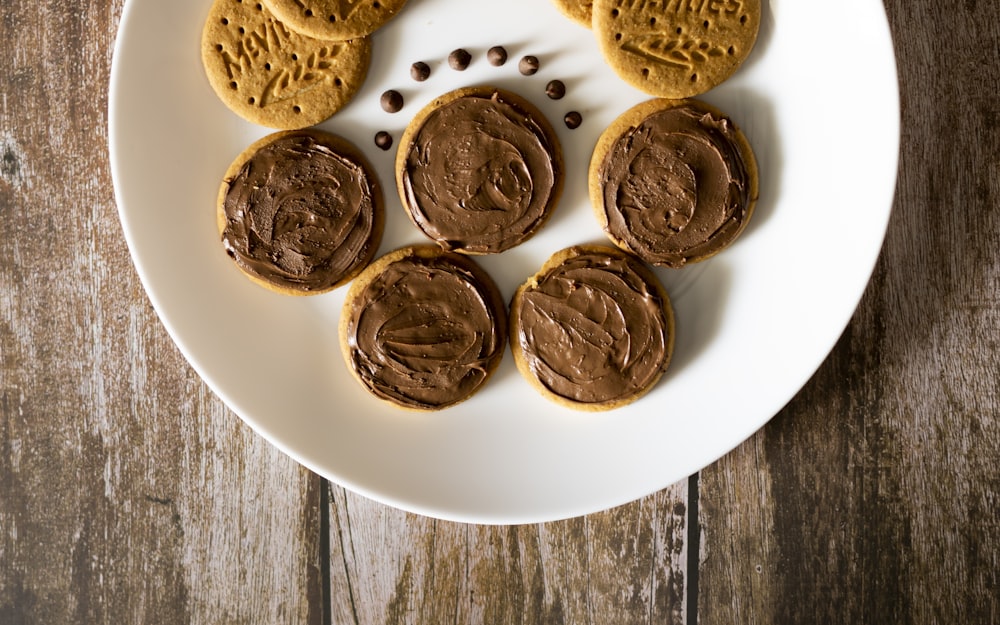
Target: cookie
{"x":272,"y":76}
{"x":479,"y":170}
{"x":676,"y":48}
{"x":335,"y":20}
{"x":593,"y":329}
{"x":423,"y":329}
{"x":673,"y":181}
{"x":301,"y":212}
{"x":580,"y":11}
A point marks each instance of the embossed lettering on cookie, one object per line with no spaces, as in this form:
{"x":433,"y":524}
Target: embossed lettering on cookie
{"x":479,"y":170}
{"x":273,"y":76}
{"x":676,"y":48}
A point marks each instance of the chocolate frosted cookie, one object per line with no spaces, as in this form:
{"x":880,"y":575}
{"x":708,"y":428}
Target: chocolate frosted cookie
{"x":336,"y":20}
{"x":593,"y":329}
{"x":673,"y":181}
{"x":422,"y":328}
{"x":676,"y":48}
{"x":272,"y":76}
{"x":301,"y":212}
{"x":479,"y":170}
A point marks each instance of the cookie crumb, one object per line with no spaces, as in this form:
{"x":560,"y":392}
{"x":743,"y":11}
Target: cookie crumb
{"x":420,"y":71}
{"x":459,"y":59}
{"x":392,"y":101}
{"x":528,"y":65}
{"x":497,"y":56}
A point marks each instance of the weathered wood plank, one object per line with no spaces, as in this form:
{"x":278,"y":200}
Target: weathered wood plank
{"x":873,"y":496}
{"x":624,"y":565}
{"x":128,"y":493}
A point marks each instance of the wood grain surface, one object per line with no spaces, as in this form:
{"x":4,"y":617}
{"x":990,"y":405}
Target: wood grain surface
{"x":130,"y":494}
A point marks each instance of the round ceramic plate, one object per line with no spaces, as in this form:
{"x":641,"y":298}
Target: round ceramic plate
{"x":819,"y":105}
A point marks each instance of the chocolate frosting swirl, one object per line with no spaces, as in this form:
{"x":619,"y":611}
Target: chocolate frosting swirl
{"x":595,"y":328}
{"x":678,"y":187}
{"x":427,"y":331}
{"x":301,"y":214}
{"x":481,"y":173}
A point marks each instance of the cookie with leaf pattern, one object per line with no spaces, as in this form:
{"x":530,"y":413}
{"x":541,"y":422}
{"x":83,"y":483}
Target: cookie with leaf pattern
{"x":273,"y":76}
{"x":676,"y":48}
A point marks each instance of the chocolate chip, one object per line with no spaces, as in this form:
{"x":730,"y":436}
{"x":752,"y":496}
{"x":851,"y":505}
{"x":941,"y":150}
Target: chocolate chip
{"x":555,"y":89}
{"x":573,"y":120}
{"x":392,"y":101}
{"x":383,"y":140}
{"x":420,"y":71}
{"x":497,"y":55}
{"x":459,"y":59}
{"x":528,"y":65}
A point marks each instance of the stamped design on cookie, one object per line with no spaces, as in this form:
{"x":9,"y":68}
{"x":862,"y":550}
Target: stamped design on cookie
{"x":681,"y":53}
{"x":676,"y":48}
{"x":273,"y":76}
{"x":288,"y":82}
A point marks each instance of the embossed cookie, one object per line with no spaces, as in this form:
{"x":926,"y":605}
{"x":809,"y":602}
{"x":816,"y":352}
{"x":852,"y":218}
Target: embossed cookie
{"x":335,"y":19}
{"x":676,"y":48}
{"x":580,"y":11}
{"x":301,"y":212}
{"x":673,"y":181}
{"x":275,"y":77}
{"x":479,"y":170}
{"x":423,"y":329}
{"x":593,"y":329}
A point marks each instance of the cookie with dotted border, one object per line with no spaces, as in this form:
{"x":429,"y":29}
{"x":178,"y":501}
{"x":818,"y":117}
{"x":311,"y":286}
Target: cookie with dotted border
{"x":335,"y":20}
{"x":273,"y":76}
{"x":676,"y":48}
{"x":580,"y":11}
{"x":673,"y":181}
{"x":593,"y":330}
{"x":301,"y":212}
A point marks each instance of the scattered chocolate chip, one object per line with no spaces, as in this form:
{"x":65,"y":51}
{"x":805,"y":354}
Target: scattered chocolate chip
{"x":392,"y":101}
{"x":383,"y":140}
{"x":528,"y":65}
{"x":555,"y":89}
{"x":497,"y":55}
{"x":420,"y":71}
{"x":459,"y":59}
{"x":573,"y":120}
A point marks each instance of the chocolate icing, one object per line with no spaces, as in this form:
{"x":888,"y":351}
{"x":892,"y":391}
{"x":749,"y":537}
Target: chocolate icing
{"x":677,"y":187}
{"x":300,"y":214}
{"x":595,"y":329}
{"x":481,"y":174}
{"x":426,"y":332}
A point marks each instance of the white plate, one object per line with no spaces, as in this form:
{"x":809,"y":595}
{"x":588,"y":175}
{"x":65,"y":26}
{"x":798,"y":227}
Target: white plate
{"x":818,"y":101}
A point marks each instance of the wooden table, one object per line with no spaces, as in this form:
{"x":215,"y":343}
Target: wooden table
{"x":130,"y":494}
